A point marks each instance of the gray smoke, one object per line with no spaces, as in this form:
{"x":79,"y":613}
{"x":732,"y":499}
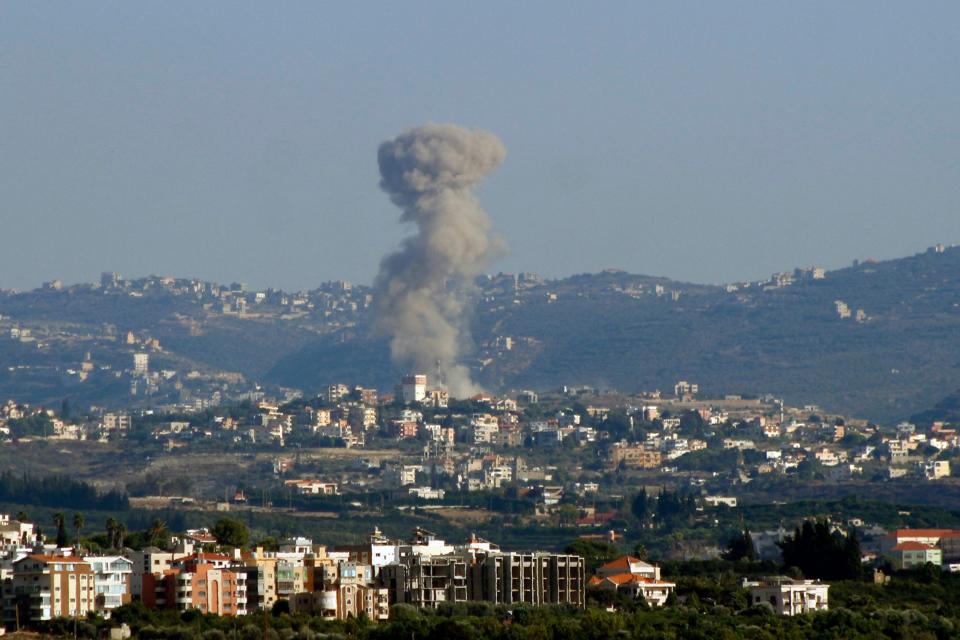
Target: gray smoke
{"x":422,"y":289}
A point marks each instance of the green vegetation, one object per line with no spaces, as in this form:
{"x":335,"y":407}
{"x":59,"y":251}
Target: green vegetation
{"x":818,"y":553}
{"x":913,"y":606}
{"x":58,"y":491}
{"x":231,"y":532}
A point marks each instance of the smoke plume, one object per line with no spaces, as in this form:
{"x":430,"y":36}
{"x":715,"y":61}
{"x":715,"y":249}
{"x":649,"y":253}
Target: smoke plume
{"x":422,"y":289}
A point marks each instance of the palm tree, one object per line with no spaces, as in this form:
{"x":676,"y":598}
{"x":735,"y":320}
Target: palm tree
{"x":111,"y":526}
{"x":121,"y":532}
{"x":78,"y":525}
{"x":158,"y":533}
{"x":60,"y":521}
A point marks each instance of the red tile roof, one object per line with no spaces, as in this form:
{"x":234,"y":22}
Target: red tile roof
{"x":623,"y":562}
{"x":924,"y":533}
{"x":913,"y":546}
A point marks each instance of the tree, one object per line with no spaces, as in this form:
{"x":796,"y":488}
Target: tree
{"x":78,"y":525}
{"x":640,"y":506}
{"x":114,"y":533}
{"x":818,"y":553}
{"x":640,"y":552}
{"x":22,"y":516}
{"x":567,"y":514}
{"x":60,"y":522}
{"x":594,"y":553}
{"x":740,"y":547}
{"x":231,"y":532}
{"x":158,"y":534}
{"x":121,"y":533}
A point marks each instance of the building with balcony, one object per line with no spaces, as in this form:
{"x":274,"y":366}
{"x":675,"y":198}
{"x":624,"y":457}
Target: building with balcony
{"x":112,"y":580}
{"x":44,"y":587}
{"x":789,"y":597}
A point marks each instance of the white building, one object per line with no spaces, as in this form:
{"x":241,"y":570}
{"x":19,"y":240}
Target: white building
{"x":141,"y":363}
{"x":112,"y":581}
{"x":789,"y":597}
{"x":413,"y":388}
{"x":483,"y":428}
{"x":936,"y":469}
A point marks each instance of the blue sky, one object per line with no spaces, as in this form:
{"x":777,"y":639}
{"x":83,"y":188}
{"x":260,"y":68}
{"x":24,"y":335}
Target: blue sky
{"x":703,"y":141}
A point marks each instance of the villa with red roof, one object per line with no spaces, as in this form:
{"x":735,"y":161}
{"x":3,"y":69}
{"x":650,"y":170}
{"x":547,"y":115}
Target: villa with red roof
{"x":907,"y":555}
{"x":635,"y":577}
{"x":913,"y":547}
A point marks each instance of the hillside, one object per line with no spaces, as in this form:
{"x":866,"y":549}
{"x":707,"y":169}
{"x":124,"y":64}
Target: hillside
{"x":878,"y":339}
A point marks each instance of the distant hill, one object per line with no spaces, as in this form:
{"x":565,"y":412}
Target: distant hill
{"x":877,"y":339}
{"x":947,"y":410}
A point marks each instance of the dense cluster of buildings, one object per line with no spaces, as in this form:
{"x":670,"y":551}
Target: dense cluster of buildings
{"x":41,"y":581}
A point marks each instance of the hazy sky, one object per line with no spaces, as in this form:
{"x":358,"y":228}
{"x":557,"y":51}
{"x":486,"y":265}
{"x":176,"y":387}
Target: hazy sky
{"x":708,"y":141}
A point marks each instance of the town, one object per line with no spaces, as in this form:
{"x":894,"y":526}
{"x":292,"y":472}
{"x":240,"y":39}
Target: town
{"x":590,"y":485}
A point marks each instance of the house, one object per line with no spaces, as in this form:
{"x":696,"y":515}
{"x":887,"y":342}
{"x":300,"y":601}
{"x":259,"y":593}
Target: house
{"x":936,"y":469}
{"x":789,"y":597}
{"x":908,"y":555}
{"x":635,"y":577}
{"x":314,"y":487}
{"x":947,"y":540}
{"x":639,"y":457}
{"x":654,"y":593}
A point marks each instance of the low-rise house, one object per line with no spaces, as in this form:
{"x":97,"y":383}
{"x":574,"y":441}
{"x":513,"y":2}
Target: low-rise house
{"x":314,"y":487}
{"x":788,"y":596}
{"x":908,"y":555}
{"x":637,"y":456}
{"x":936,"y":469}
{"x":634,"y":577}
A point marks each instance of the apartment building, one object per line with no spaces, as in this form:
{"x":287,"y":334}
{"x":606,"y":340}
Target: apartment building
{"x":349,"y":589}
{"x":426,"y":581}
{"x":529,"y":578}
{"x":200,"y":581}
{"x":146,"y":561}
{"x":260,"y":570}
{"x":44,"y":587}
{"x":638,"y":457}
{"x":112,"y":577}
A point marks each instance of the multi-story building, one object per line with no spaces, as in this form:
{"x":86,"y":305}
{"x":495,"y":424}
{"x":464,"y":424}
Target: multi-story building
{"x":291,"y":575}
{"x":638,"y":456}
{"x":200,"y":581}
{"x":348,"y":590}
{"x":426,"y":581}
{"x":44,"y":587}
{"x":483,"y":428}
{"x":910,"y":554}
{"x":529,"y":578}
{"x":112,"y":577}
{"x":413,"y":388}
{"x":260,"y":568}
{"x":146,"y":561}
{"x":141,"y":363}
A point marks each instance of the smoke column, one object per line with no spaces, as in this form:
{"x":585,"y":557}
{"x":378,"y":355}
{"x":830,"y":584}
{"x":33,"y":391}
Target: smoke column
{"x":422,"y":289}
